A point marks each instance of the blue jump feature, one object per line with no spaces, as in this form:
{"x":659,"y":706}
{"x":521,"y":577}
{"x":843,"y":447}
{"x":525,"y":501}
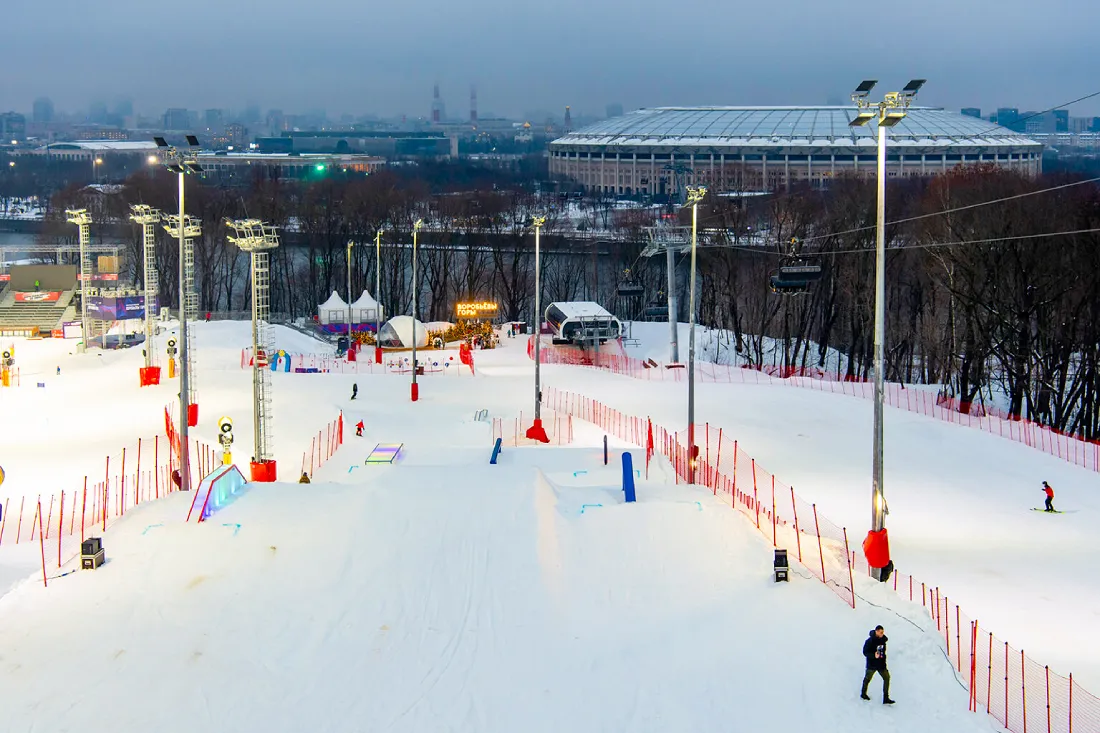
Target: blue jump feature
{"x":496,"y":452}
{"x":628,"y":477}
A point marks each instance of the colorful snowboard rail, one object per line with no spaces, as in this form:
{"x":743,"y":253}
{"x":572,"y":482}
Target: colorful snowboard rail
{"x":217,"y":491}
{"x":384,"y":453}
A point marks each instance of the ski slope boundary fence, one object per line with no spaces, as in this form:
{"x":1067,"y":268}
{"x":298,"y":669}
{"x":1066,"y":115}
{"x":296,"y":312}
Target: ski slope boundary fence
{"x":1021,"y":694}
{"x":1069,"y":448}
{"x":778,"y":513}
{"x":135,"y":474}
{"x":1017,"y":691}
{"x":323,"y":446}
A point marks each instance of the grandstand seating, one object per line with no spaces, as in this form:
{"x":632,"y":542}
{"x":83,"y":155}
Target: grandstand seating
{"x":46,"y":316}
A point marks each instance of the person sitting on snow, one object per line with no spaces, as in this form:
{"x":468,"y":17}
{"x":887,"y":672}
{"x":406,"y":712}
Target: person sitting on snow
{"x":304,"y":479}
{"x":359,"y":428}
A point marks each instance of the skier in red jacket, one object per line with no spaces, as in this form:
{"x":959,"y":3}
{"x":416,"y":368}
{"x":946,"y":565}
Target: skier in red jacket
{"x":359,"y":428}
{"x":1050,"y":496}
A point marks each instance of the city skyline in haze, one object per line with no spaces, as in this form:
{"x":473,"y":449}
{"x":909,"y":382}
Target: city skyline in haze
{"x":347,"y":58}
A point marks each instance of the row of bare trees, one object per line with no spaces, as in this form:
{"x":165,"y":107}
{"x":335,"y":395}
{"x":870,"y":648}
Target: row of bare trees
{"x":991,"y":301}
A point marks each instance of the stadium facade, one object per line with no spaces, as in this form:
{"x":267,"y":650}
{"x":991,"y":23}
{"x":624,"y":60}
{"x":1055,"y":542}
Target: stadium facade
{"x":655,"y":151}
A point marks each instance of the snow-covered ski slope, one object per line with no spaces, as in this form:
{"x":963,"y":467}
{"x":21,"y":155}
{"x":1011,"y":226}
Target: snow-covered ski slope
{"x":444,"y":594}
{"x":447,"y":594}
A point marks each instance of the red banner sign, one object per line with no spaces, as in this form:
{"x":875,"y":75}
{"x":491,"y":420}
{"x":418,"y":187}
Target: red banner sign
{"x":50,"y":296}
{"x":99,"y":276}
{"x":5,"y":278}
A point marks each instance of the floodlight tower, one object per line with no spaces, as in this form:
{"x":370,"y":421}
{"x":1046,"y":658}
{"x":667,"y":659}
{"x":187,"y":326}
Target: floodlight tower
{"x":694,"y":196}
{"x":148,"y":217}
{"x":189,"y":306}
{"x":889,"y":112}
{"x":415,"y":387}
{"x":258,"y":239}
{"x":537,"y":431}
{"x":83,"y":221}
{"x":378,"y":296}
{"x":183,"y":228}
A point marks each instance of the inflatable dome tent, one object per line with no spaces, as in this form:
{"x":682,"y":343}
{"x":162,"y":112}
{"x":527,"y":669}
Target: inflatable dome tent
{"x":397,"y":333}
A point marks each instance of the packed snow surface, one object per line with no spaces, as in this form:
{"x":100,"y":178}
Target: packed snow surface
{"x":442,"y":593}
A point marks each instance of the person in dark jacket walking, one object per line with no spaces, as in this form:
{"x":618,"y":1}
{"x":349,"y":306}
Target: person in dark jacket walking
{"x":1050,"y":496}
{"x":874,"y":649}
{"x":354,"y":390}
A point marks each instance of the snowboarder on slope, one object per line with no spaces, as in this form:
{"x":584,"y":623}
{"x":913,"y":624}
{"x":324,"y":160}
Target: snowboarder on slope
{"x":304,"y":479}
{"x":1050,"y":496}
{"x":354,"y":390}
{"x":359,"y":428}
{"x":874,"y":649}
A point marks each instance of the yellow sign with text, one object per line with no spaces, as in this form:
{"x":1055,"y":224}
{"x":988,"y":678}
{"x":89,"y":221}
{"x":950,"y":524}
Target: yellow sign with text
{"x":484,"y":309}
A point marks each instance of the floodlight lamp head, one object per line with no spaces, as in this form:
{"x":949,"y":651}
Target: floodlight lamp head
{"x":695,"y":195}
{"x":160,"y":141}
{"x":862,"y":119}
{"x":538,"y":221}
{"x":192,"y":141}
{"x":419,"y":223}
{"x":863,"y":90}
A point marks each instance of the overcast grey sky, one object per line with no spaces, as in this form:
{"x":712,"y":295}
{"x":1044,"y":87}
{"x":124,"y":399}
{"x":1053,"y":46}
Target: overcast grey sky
{"x":359,"y":57}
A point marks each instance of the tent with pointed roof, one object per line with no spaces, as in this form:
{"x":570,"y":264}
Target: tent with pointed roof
{"x":333,"y":310}
{"x":364,"y":309}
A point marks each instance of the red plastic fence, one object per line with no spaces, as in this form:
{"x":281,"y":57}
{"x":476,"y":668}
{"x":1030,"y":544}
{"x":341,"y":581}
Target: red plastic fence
{"x":1021,"y":694}
{"x":136,"y":474}
{"x":559,"y":429}
{"x":323,"y":446}
{"x":1017,"y":691}
{"x":1040,"y":437}
{"x":780,"y":515}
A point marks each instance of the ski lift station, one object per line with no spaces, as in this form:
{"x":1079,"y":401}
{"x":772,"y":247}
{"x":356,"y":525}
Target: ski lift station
{"x":582,"y":322}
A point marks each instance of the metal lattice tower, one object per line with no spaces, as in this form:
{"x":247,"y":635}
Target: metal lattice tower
{"x":83,"y":221}
{"x":192,"y":228}
{"x":257,"y":238}
{"x":148,"y":217}
{"x":673,"y":240}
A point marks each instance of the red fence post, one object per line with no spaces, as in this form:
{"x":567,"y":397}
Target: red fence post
{"x":797,"y":534}
{"x":137,"y":487}
{"x":958,"y":639}
{"x":717,"y":462}
{"x":122,"y":490}
{"x":775,"y":542}
{"x":755,"y":500}
{"x":41,"y":543}
{"x":851,"y":578}
{"x":820,"y":554}
{"x":60,"y":524}
{"x":1048,"y":698}
{"x":989,"y":675}
{"x":1071,"y":702}
{"x":1023,"y":690}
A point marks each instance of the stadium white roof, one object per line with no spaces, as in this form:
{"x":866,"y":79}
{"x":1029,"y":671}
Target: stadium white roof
{"x":107,"y":146}
{"x":786,"y":126}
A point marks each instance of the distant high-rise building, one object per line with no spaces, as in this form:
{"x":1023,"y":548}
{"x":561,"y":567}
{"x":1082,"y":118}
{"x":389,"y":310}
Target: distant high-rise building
{"x":437,"y":105}
{"x":124,"y":108}
{"x":972,"y":112}
{"x":177,"y":118}
{"x":567,"y":123}
{"x":236,"y":133}
{"x":43,"y":111}
{"x":251,"y":115}
{"x":1009,"y":117}
{"x":213,"y":119}
{"x":614,"y":110}
{"x":1095,"y":125}
{"x":97,"y":112}
{"x":13,"y":126}
{"x":276,"y":121}
{"x":1061,"y":120}
{"x":473,"y":105}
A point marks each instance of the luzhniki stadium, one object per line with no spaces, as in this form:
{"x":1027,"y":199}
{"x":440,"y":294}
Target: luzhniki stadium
{"x":764,"y":148}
